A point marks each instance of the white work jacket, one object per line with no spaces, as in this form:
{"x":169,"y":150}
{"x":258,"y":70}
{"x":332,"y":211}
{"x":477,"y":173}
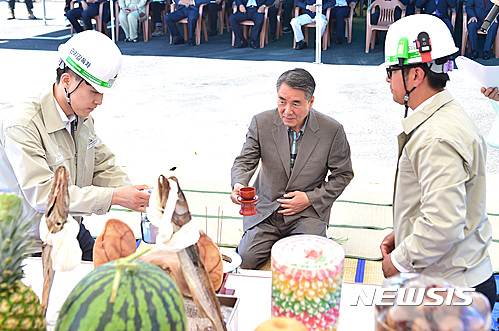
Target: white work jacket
{"x":440,"y":220}
{"x":34,"y":142}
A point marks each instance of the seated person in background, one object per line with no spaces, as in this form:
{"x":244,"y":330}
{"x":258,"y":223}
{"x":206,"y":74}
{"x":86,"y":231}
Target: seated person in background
{"x":307,"y":17}
{"x":86,"y":10}
{"x":189,"y":9}
{"x":477,"y":11}
{"x":213,"y":8}
{"x":29,"y":7}
{"x":439,"y":8}
{"x":252,"y":10}
{"x":156,"y":8}
{"x":340,"y":11}
{"x":129,"y":17}
{"x":305,"y":165}
{"x":287,"y":8}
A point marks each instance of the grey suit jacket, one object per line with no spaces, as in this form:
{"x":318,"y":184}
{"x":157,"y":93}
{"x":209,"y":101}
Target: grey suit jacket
{"x":324,"y":149}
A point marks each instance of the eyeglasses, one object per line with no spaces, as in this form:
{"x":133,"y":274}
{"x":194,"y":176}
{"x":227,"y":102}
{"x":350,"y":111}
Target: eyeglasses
{"x":390,"y":70}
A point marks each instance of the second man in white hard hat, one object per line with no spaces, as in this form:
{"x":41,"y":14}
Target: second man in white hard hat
{"x":440,"y":221}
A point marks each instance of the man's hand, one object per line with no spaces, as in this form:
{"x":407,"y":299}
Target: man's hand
{"x":473,"y":19}
{"x":186,"y":2}
{"x":389,"y":269}
{"x":235,"y":193}
{"x":491,"y":93}
{"x":261,"y":9}
{"x":312,"y":8}
{"x":293,"y":203}
{"x":495,"y":2}
{"x":242,"y":9}
{"x":84,"y":5}
{"x":388,"y":244}
{"x":132,"y":197}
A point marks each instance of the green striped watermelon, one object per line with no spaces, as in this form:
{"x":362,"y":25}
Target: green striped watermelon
{"x":146,"y":299}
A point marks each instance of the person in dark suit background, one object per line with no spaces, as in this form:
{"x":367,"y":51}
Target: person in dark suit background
{"x":340,"y":11}
{"x":307,"y":17}
{"x":287,"y":10}
{"x":252,"y":10}
{"x":29,"y":7}
{"x":189,"y":9}
{"x":439,"y":8}
{"x":297,"y":148}
{"x":477,"y":11}
{"x":213,"y":8}
{"x":86,"y":10}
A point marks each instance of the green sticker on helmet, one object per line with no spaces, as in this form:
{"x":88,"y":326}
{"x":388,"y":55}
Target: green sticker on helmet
{"x":410,"y":56}
{"x":86,"y":75}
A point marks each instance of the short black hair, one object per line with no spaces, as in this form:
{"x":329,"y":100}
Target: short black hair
{"x":436,"y":81}
{"x":60,"y":71}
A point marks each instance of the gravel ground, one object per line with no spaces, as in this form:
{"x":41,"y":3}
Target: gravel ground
{"x":193,"y":113}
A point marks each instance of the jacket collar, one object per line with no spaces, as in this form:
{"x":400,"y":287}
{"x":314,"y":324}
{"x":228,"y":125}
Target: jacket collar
{"x":51,"y":117}
{"x":414,"y":120}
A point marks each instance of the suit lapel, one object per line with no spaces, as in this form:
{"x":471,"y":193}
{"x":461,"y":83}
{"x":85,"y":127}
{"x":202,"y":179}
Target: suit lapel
{"x":280,"y":135}
{"x":307,"y":146}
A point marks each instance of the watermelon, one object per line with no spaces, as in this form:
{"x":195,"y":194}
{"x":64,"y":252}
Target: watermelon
{"x":146,"y":299}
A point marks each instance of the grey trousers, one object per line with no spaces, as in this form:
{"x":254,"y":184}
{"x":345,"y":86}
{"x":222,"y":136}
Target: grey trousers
{"x":256,"y":244}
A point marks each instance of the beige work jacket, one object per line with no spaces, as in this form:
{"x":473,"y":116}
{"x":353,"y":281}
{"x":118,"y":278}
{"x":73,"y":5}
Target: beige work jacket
{"x":34,"y":142}
{"x":440,"y":220}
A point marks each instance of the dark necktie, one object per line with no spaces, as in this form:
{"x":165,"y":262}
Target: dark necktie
{"x":293,"y":147}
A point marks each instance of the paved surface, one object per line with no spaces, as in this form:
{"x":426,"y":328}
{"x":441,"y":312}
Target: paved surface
{"x":19,"y":33}
{"x":189,"y":107}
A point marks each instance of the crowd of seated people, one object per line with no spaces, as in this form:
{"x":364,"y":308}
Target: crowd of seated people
{"x":279,"y":14}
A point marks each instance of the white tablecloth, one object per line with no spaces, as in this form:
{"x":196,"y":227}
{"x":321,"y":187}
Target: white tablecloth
{"x":252,"y":287}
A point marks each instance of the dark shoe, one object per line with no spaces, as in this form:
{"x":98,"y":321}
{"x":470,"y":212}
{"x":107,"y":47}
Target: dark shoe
{"x":178,"y":41}
{"x":128,"y":40}
{"x":474,"y":55}
{"x":11,"y":15}
{"x":339,"y":41}
{"x":287,"y":29}
{"x":242,"y":44}
{"x":212,"y":33}
{"x":192,"y":42}
{"x":253,"y":44}
{"x":134,"y":40}
{"x":31,"y":16}
{"x":158,"y":31}
{"x":301,"y":45}
{"x":486,"y":55}
{"x":272,"y":37}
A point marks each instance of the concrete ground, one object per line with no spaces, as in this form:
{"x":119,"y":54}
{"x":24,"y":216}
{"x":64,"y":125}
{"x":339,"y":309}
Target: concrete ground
{"x":188,"y":108}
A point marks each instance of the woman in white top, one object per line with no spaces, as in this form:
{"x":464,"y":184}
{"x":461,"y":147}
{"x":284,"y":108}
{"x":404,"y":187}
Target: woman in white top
{"x":129,"y":17}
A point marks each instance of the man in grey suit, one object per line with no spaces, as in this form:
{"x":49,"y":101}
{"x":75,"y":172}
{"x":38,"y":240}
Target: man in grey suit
{"x":297,"y":147}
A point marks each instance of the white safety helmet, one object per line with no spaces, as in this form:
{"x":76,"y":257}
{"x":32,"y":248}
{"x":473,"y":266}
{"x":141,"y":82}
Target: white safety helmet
{"x":420,"y":38}
{"x":94,"y":57}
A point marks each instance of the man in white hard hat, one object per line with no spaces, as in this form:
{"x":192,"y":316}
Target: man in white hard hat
{"x":440,"y":224}
{"x":56,"y":129}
